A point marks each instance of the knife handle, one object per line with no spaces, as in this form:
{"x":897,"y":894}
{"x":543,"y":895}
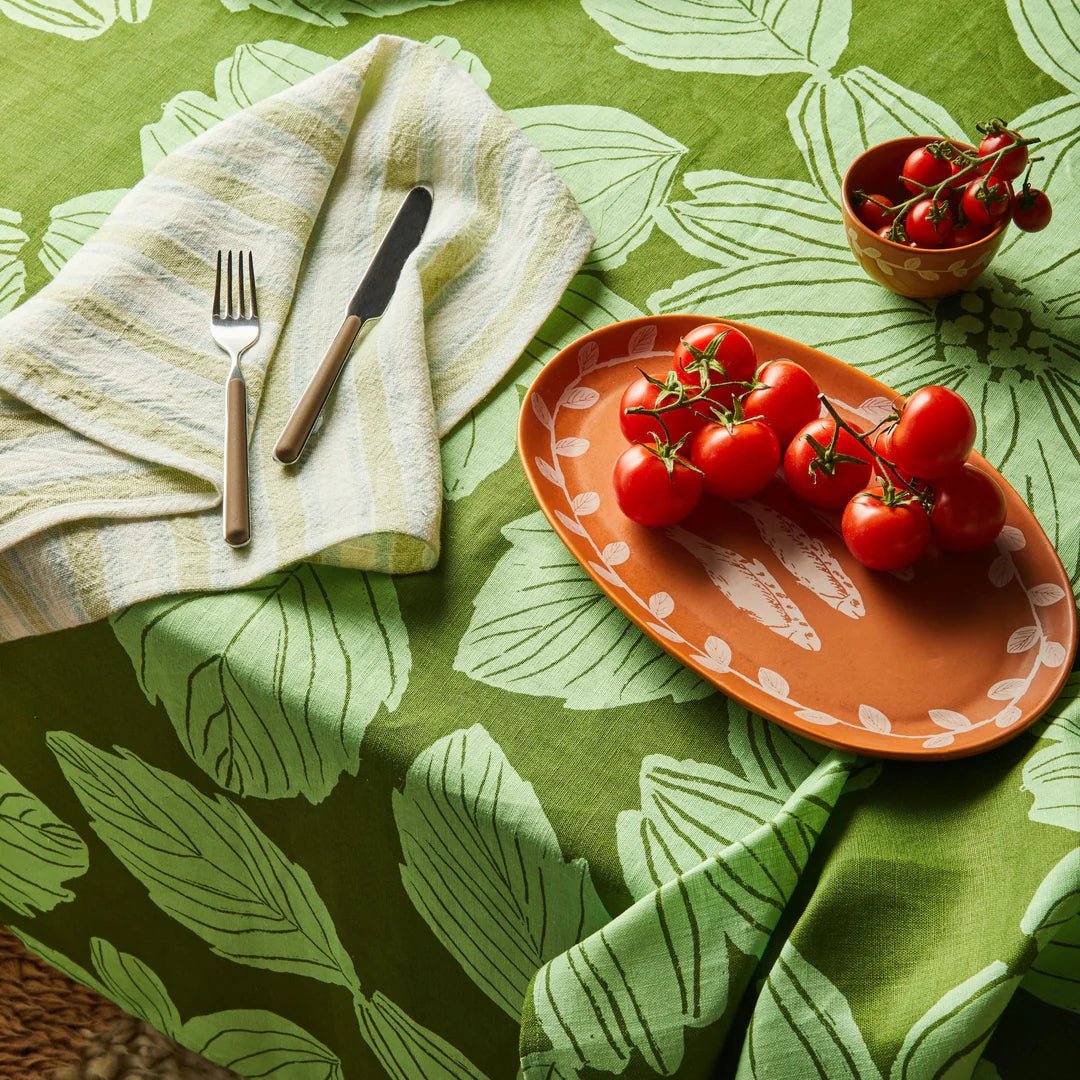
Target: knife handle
{"x":235,"y":520}
{"x":295,"y":435}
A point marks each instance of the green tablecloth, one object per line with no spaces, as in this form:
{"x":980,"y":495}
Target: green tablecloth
{"x":338,"y":825}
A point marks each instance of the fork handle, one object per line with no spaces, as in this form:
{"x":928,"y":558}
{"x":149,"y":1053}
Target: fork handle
{"x":235,"y":519}
{"x":295,"y":435}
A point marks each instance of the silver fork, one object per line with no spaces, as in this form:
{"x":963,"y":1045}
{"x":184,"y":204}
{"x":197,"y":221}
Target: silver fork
{"x":235,"y":330}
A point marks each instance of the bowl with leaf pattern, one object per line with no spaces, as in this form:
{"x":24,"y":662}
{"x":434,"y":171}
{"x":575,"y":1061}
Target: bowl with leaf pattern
{"x":907,"y":271}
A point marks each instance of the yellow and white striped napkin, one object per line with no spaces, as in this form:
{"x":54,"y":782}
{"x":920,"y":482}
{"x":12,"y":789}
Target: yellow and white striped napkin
{"x":111,"y":388}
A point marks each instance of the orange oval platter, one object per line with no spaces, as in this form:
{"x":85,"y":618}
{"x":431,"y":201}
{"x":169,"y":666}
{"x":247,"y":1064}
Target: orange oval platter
{"x":761,"y":598}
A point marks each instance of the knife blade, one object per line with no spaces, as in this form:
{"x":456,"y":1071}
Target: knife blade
{"x":368,"y":303}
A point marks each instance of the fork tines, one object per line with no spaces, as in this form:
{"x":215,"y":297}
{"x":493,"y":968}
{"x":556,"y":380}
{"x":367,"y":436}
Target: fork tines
{"x":242,"y":309}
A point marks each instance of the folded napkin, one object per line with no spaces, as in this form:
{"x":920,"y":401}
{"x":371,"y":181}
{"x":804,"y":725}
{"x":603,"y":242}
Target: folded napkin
{"x":111,"y":388}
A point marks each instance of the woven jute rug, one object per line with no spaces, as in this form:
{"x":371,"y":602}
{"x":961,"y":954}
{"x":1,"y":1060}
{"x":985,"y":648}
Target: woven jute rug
{"x":54,"y":1029}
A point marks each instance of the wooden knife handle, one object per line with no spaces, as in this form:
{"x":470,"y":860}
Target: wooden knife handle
{"x":295,"y":436}
{"x":235,"y":519}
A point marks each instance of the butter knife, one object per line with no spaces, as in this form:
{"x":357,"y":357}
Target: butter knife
{"x":368,"y":303}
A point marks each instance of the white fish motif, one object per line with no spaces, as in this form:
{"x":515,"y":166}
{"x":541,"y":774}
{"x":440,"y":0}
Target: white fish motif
{"x":807,"y":559}
{"x":751,"y":588}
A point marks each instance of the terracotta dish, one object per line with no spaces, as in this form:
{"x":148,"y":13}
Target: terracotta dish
{"x":761,"y":598}
{"x":920,"y":272}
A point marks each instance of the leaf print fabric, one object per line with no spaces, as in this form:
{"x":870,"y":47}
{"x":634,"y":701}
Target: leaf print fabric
{"x":250,"y":704}
{"x":463,"y":808}
{"x":618,"y":167}
{"x":76,"y":19}
{"x":38,"y":852}
{"x":541,"y":626}
{"x":471,"y":824}
{"x":739,"y":37}
{"x":204,"y":862}
{"x":663,"y":965}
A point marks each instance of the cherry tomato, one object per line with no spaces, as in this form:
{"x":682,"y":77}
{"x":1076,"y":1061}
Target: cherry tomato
{"x":871,"y":211}
{"x":930,"y":222}
{"x":884,"y":535}
{"x":787,"y":401}
{"x":881,"y":443}
{"x":728,"y":357}
{"x":1011,"y":164}
{"x":655,"y":486}
{"x":965,"y":234}
{"x":1031,"y":209}
{"x":987,"y":200}
{"x":640,"y":427}
{"x":934,"y":434}
{"x":828,"y":483}
{"x":884,"y":233}
{"x":969,"y":509}
{"x":924,"y":167}
{"x":738,"y":460}
{"x":956,"y":187}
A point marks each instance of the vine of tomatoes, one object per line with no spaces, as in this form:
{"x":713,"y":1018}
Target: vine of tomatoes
{"x":719,"y":424}
{"x":955,"y":197}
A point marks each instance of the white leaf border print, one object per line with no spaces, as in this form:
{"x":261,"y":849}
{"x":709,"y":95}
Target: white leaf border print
{"x":954,"y":725}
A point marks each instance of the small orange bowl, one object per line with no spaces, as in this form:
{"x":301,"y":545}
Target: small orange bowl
{"x":908,"y":271}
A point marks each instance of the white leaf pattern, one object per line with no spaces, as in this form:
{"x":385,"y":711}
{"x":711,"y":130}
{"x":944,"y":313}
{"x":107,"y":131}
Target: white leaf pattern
{"x":581,"y":397}
{"x":618,"y":167}
{"x":255,"y":71}
{"x":1008,"y":716}
{"x":72,"y":223}
{"x":751,"y":588}
{"x":462,"y":808}
{"x":727,"y":37}
{"x":12,"y":270}
{"x":541,"y":411}
{"x":950,"y":720}
{"x":616,"y":553}
{"x":1020,"y":641}
{"x":812,"y":716}
{"x":1011,"y":538}
{"x":642,"y":340}
{"x":467,"y":61}
{"x":540,"y":626}
{"x":807,"y":559}
{"x":588,"y":357}
{"x":1006,"y":689}
{"x":547,"y":470}
{"x":833,"y":119}
{"x":571,"y":446}
{"x":587,"y":502}
{"x":936,"y":742}
{"x":1049,"y":31}
{"x":1045,"y":595}
{"x":570,"y":523}
{"x":773,"y":683}
{"x":78,"y":20}
{"x":1002,"y":571}
{"x":1052,"y":654}
{"x":661,"y":604}
{"x":874,"y":720}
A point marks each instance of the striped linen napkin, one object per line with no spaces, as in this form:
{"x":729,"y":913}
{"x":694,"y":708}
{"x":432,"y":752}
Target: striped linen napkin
{"x":111,"y":388}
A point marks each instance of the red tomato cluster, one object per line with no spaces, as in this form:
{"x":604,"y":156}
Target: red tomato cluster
{"x":948,"y":197}
{"x":719,"y":424}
